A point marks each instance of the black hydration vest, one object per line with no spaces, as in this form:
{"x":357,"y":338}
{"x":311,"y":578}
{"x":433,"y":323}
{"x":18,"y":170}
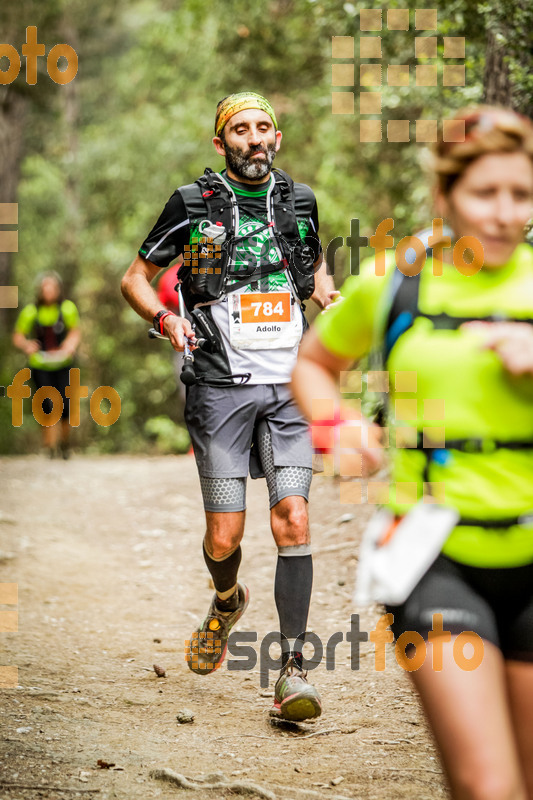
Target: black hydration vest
{"x":205,"y":281}
{"x":50,"y":337}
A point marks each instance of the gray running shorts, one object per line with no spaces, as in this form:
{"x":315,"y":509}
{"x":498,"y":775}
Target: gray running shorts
{"x":230,"y":426}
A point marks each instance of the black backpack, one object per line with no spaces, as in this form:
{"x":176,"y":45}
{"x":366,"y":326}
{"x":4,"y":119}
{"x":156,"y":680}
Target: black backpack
{"x":205,"y":279}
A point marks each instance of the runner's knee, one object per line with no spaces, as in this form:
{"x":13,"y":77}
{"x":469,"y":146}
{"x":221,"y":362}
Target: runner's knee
{"x":487,"y":784}
{"x":290,"y":522}
{"x":224,"y":534}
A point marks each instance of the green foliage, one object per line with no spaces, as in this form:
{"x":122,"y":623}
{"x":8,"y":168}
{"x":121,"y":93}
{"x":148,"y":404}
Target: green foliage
{"x":169,"y":437}
{"x":104,"y":153}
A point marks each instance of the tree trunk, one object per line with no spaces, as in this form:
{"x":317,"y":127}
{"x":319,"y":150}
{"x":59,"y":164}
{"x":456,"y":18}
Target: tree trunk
{"x":497,"y":87}
{"x":68,"y":262}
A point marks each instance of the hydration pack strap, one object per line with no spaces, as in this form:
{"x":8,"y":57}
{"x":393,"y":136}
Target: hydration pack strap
{"x":404,"y":310}
{"x":507,"y":522}
{"x":478,"y":445}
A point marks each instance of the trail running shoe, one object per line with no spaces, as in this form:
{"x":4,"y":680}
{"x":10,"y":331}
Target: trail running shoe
{"x":206,"y":650}
{"x":295,"y":699}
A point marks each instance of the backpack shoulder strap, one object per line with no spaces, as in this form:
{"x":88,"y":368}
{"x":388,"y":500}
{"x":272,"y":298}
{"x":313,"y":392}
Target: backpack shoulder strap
{"x":208,"y":195}
{"x":403,"y":308}
{"x":283,"y":205}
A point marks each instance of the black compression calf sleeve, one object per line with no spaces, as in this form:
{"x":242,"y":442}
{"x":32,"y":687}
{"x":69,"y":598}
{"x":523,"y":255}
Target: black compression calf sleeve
{"x":224,"y":572}
{"x":292,"y":592}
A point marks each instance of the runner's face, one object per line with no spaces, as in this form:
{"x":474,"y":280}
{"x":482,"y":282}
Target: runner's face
{"x":492,"y":201}
{"x":249,"y":146}
{"x":49,"y":291}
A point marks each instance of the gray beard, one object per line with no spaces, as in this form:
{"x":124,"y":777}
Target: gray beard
{"x":242,"y":164}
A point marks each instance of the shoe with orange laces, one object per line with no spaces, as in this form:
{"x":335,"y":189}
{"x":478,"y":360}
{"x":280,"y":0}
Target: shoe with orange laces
{"x":206,"y":650}
{"x":295,"y":699}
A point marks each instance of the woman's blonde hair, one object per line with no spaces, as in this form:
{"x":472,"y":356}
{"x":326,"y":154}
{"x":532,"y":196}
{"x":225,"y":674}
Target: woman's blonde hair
{"x":474,"y":132}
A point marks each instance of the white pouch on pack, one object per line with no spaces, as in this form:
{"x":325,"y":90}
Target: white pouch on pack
{"x":395,"y":555}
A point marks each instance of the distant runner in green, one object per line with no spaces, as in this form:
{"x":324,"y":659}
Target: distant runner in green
{"x":249,"y":239}
{"x":48,"y":332}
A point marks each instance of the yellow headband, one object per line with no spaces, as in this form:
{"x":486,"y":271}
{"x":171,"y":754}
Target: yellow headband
{"x":234,"y":103}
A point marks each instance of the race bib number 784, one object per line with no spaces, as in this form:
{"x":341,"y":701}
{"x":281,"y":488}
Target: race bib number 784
{"x":264,"y":320}
{"x":266,"y":307}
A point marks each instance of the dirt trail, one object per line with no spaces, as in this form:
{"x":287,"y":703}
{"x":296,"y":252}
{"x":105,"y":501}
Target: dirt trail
{"x":106,"y":554}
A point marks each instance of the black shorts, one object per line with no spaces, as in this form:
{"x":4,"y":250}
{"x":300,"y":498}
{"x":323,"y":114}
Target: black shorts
{"x":58,"y":379}
{"x":223,"y":426}
{"x":497,"y":604}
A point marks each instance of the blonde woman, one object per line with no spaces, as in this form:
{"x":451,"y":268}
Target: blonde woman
{"x":469,"y":339}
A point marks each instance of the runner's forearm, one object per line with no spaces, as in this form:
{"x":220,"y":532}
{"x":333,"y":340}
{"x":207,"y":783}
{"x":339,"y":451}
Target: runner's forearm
{"x":324,"y":286}
{"x":136,"y":288}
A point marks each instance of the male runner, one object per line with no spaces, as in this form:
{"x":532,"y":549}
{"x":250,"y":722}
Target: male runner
{"x":245,"y":290}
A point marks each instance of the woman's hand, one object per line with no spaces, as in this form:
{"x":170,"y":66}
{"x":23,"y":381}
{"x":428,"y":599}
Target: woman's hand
{"x":31,"y":346}
{"x":511,"y":341}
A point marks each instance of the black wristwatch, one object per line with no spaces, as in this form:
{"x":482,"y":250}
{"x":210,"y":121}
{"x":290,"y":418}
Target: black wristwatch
{"x":159,"y":317}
